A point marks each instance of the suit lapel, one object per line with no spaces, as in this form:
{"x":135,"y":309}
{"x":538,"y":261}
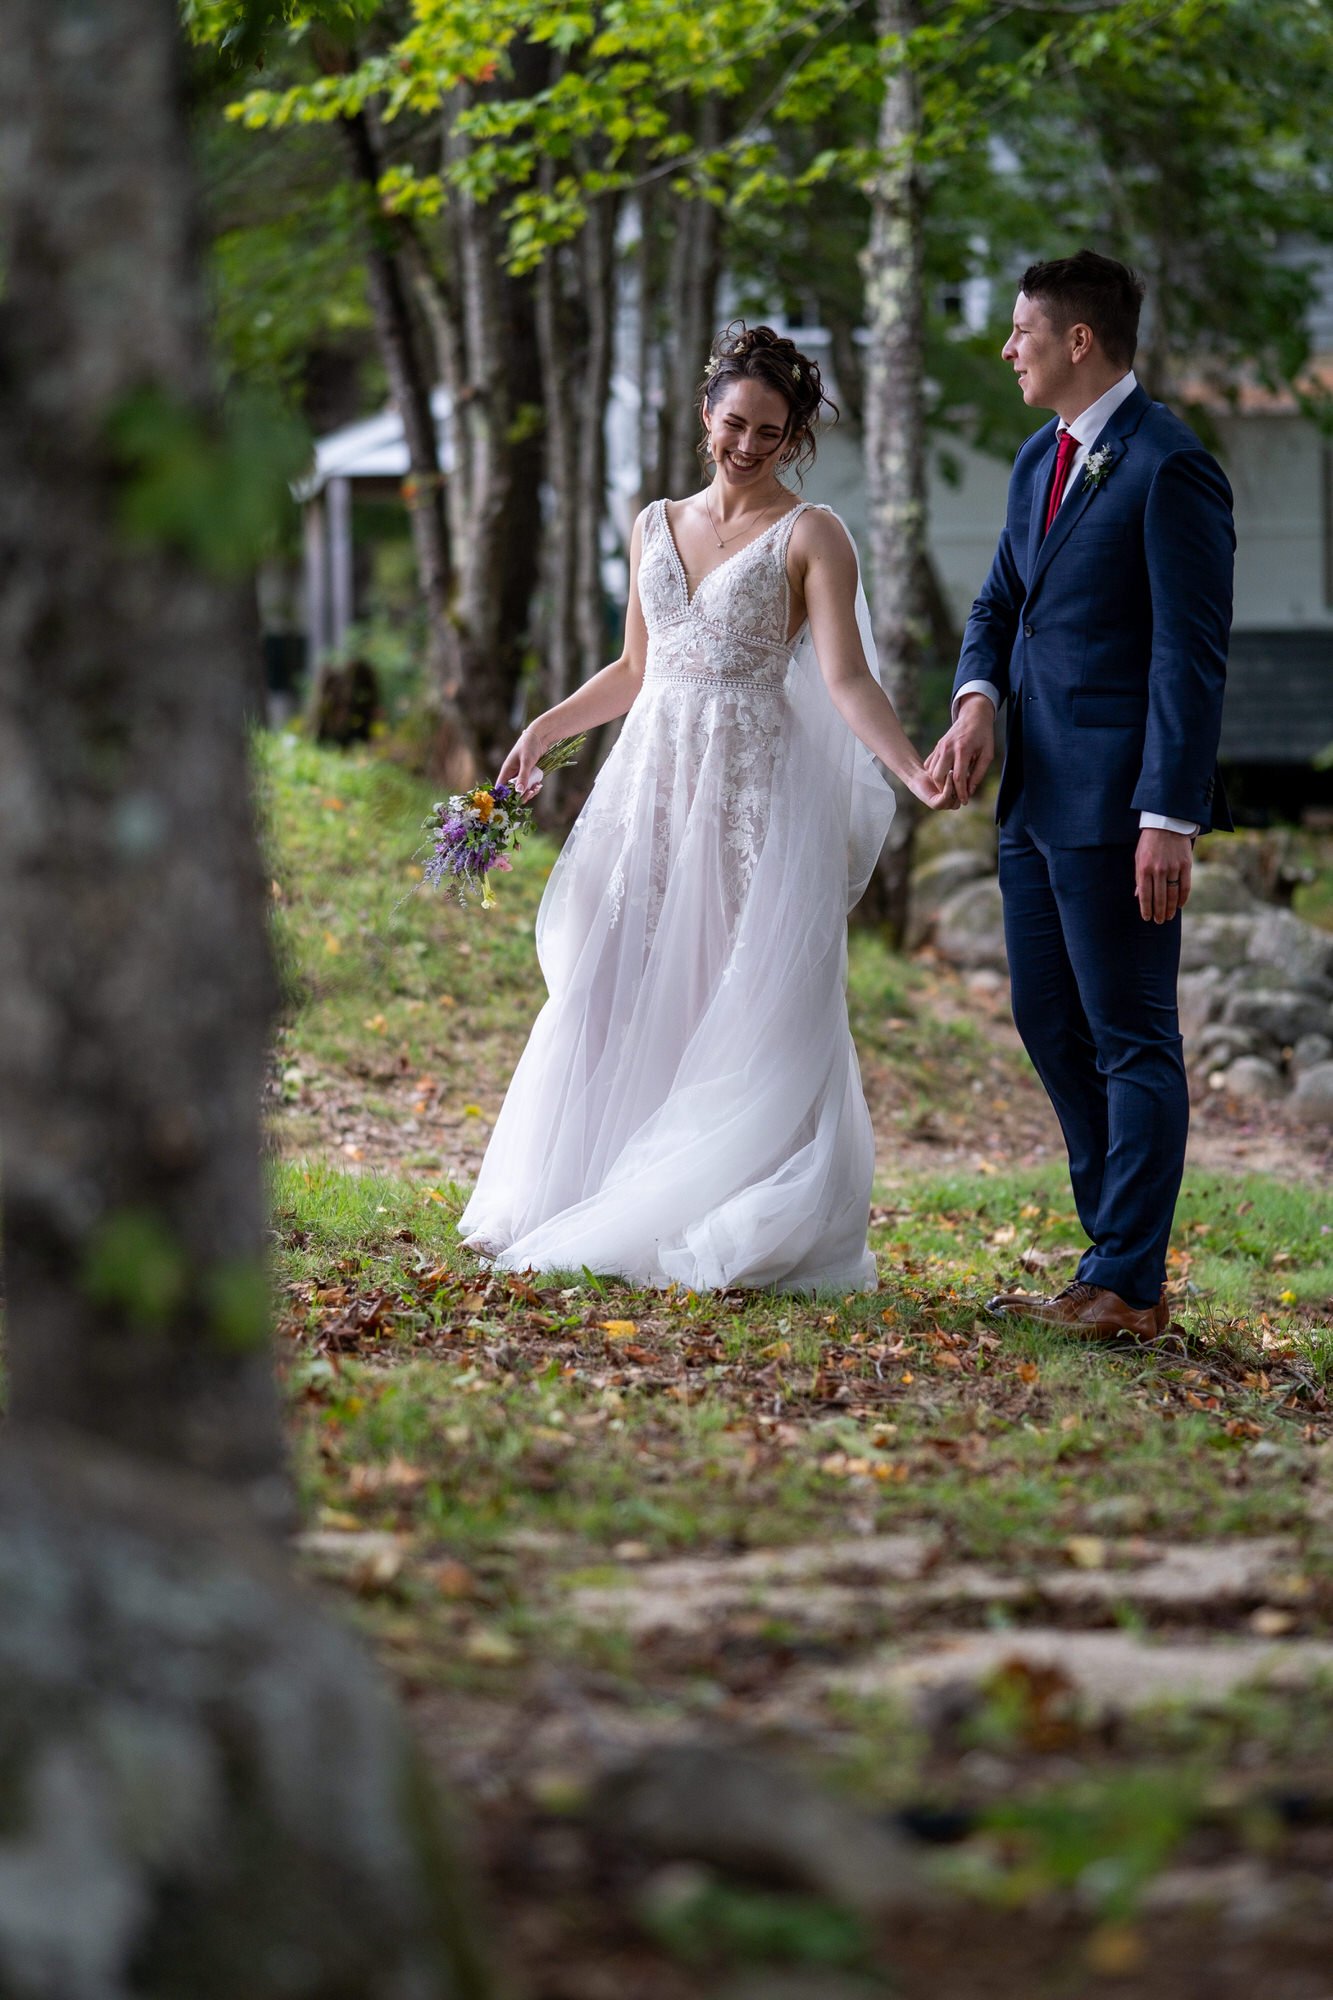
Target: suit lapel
{"x":1116,"y":433}
{"x":1040,"y":495}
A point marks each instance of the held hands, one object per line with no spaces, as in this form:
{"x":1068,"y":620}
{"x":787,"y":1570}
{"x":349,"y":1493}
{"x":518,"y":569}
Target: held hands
{"x":966,"y":751}
{"x":939,"y":797}
{"x":1163,"y":865}
{"x":520,"y":766}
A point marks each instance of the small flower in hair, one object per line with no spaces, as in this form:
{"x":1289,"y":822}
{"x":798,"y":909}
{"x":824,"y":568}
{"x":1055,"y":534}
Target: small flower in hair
{"x":711,"y":366}
{"x":796,"y":371}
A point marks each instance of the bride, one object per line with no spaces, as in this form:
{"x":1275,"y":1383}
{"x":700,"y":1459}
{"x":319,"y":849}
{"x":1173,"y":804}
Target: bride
{"x":689,"y":1108}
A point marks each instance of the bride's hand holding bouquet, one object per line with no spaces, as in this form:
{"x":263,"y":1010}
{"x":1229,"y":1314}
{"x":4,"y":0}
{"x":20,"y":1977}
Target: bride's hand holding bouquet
{"x":475,"y":833}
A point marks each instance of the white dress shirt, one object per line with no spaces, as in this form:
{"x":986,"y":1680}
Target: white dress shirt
{"x":1086,"y":428}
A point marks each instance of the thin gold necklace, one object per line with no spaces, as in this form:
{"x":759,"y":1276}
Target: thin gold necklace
{"x":713,"y":525}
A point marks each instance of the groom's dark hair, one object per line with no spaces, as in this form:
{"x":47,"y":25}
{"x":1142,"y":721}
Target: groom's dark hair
{"x":1090,"y":290}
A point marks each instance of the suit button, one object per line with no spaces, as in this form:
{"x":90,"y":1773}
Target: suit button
{"x":1027,"y":631}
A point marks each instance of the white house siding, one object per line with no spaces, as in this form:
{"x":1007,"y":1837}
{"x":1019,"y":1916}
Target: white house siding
{"x":1276,"y":467}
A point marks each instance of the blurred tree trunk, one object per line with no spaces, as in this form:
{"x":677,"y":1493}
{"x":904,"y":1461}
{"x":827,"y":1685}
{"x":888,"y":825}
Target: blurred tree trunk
{"x":576,"y":295}
{"x":389,"y":277}
{"x":500,"y":416}
{"x":648,"y":348}
{"x":135,"y":1004}
{"x":438,"y":300}
{"x":691,"y":316}
{"x":207,"y":1789}
{"x":598,"y":245}
{"x":559,"y":353}
{"x":895,"y":429}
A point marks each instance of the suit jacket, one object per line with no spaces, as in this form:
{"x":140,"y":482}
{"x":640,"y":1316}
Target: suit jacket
{"x":1108,"y":637}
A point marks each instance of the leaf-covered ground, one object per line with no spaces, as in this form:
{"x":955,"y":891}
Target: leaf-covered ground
{"x":1062,"y":1613}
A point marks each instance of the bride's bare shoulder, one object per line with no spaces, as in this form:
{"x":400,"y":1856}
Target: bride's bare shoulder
{"x":821,"y":536}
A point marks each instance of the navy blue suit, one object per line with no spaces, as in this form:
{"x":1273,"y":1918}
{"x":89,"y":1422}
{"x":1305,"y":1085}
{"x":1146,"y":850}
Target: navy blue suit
{"x":1107,"y":638}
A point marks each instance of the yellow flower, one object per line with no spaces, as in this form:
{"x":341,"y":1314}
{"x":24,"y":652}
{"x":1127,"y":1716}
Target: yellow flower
{"x":485,"y":805}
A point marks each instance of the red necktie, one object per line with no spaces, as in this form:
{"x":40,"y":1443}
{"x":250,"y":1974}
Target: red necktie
{"x":1064,"y":454}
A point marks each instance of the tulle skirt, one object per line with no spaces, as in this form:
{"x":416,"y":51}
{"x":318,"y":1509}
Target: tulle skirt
{"x":689,"y":1108}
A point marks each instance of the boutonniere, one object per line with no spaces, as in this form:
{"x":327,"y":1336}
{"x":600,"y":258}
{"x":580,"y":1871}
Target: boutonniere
{"x":1096,"y":466}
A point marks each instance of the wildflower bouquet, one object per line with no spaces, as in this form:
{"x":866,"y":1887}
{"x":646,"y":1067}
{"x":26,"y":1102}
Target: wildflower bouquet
{"x":475,"y":832}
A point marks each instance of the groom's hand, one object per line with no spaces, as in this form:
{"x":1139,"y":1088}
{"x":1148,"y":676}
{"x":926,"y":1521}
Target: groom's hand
{"x":967,"y":750}
{"x":1163,"y":864}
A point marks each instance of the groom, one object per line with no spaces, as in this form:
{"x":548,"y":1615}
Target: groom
{"x":1103,"y":624}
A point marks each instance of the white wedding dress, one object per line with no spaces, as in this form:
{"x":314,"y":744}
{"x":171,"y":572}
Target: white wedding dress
{"x":689,"y":1106}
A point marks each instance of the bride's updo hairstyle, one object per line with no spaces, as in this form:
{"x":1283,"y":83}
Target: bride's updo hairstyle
{"x":759,"y":354}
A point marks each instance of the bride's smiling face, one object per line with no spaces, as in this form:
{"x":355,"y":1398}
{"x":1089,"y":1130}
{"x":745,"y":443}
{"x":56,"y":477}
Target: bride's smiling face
{"x":747,"y":427}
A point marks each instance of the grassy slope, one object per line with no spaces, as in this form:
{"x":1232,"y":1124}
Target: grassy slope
{"x":523,"y":1440}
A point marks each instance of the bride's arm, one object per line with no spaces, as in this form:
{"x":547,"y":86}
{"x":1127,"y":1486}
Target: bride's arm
{"x":826,"y":563}
{"x":601,"y":699}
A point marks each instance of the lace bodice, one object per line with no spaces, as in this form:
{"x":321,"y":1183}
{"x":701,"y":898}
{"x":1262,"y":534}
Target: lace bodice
{"x":709,"y":728}
{"x":734,"y":625}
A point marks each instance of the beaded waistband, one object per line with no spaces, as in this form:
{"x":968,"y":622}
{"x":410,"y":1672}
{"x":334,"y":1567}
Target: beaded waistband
{"x":750,"y":682}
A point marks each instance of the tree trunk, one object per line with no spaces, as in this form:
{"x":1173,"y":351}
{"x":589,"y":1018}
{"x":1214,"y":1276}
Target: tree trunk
{"x":696,"y":271}
{"x":560,"y":539}
{"x":489,"y":409}
{"x":454,"y":755}
{"x":207,"y":1789}
{"x":135,"y":1003}
{"x":440,"y":310}
{"x":576,"y":312}
{"x":895,"y":433}
{"x":648,"y":349}
{"x":598,"y":246}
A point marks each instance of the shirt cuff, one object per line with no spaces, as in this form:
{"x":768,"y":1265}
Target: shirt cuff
{"x":988,"y":688}
{"x":1160,"y":823}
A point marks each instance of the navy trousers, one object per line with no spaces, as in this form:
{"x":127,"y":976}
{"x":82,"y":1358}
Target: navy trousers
{"x":1094,"y":995}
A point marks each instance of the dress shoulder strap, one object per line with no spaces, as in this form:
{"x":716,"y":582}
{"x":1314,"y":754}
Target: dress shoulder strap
{"x":787,"y":522}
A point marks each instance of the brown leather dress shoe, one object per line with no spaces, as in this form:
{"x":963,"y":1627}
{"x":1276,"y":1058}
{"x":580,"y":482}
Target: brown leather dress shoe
{"x":1086,"y":1309}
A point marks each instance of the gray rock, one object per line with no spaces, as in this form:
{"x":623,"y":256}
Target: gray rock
{"x":1116,"y":1671}
{"x":1309,"y":1050}
{"x":1218,"y":941}
{"x":749,"y":1816}
{"x":1251,"y":1076}
{"x":969,"y":930}
{"x":1280,"y":1014}
{"x":934,"y":882}
{"x":1200,"y":997}
{"x":1220,"y":1044}
{"x":1216,"y":891}
{"x":943,"y":873}
{"x":1312,"y":1099}
{"x":1299,"y":951}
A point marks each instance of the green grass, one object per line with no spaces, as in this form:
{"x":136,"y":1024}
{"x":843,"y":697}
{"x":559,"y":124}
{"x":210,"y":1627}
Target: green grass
{"x":1242,"y":1245}
{"x":383,"y":974}
{"x":1007,"y":1445}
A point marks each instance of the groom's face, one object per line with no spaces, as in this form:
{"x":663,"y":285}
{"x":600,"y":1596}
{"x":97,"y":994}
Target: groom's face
{"x":1039,"y":355}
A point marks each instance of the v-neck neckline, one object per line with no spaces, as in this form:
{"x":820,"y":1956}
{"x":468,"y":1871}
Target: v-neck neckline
{"x":689,"y":596}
